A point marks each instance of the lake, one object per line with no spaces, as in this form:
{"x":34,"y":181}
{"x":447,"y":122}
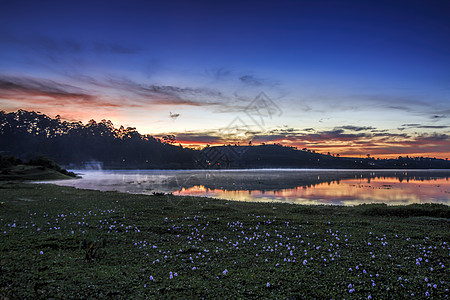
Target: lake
{"x":299,"y":186}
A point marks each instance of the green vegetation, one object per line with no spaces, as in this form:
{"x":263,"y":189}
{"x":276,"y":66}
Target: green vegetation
{"x":59,"y":242}
{"x":38,"y":168}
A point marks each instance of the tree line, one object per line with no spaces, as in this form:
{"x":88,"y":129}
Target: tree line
{"x":27,"y":134}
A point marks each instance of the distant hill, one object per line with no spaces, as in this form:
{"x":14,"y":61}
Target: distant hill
{"x":26,"y":134}
{"x":278,"y":156}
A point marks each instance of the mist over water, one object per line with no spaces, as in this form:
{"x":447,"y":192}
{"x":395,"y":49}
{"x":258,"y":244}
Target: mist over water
{"x":93,"y":165}
{"x":299,"y":186}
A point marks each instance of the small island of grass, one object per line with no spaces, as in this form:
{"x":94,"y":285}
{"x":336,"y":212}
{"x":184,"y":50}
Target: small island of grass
{"x":39,"y":168}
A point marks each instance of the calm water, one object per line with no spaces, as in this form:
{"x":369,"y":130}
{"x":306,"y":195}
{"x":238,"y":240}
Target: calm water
{"x":341,"y":187}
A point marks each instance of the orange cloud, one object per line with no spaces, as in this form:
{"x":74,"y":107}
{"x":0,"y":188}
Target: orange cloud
{"x":383,"y":145}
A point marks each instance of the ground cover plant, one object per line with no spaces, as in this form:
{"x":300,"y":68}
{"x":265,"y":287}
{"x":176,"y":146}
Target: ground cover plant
{"x":37,"y":168}
{"x":59,"y":242}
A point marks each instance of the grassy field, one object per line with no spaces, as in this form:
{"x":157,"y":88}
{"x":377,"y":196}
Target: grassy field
{"x":59,"y":242}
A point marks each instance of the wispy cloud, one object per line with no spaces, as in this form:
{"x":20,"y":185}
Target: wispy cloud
{"x":414,"y":125}
{"x":435,"y":117}
{"x":165,"y":94}
{"x":251,"y":80}
{"x":355,"y":128}
{"x":223,"y":74}
{"x":27,"y":88}
{"x":410,"y":103}
{"x":219,"y":74}
{"x":115,"y":92}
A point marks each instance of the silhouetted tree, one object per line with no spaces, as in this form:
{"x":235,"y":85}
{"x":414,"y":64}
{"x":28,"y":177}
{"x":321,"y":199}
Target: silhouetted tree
{"x":25,"y":134}
{"x":170,"y":138}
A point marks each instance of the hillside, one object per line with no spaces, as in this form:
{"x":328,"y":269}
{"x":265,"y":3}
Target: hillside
{"x":278,"y":156}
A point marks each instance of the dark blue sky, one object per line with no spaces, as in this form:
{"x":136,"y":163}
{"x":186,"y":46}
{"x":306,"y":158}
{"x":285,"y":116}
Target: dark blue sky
{"x":328,"y":65}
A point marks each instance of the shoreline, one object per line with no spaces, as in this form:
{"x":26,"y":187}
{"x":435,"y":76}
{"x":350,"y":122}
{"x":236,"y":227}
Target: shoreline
{"x":300,"y":187}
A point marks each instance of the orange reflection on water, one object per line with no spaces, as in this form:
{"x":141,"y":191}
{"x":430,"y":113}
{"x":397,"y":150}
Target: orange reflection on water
{"x":343,"y":192}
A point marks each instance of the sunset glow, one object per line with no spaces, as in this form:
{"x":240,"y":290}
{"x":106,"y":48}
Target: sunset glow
{"x":345,"y":192}
{"x":346,"y":77}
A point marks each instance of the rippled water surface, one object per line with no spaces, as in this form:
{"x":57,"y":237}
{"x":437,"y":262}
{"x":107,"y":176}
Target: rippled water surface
{"x":341,"y":187}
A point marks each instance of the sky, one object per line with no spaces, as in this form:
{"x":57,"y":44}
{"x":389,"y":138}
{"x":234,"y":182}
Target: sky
{"x":346,"y":77}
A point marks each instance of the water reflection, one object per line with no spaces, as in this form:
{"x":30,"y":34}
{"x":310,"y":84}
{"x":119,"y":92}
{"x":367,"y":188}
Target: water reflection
{"x":345,"y":192}
{"x":341,"y":187}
